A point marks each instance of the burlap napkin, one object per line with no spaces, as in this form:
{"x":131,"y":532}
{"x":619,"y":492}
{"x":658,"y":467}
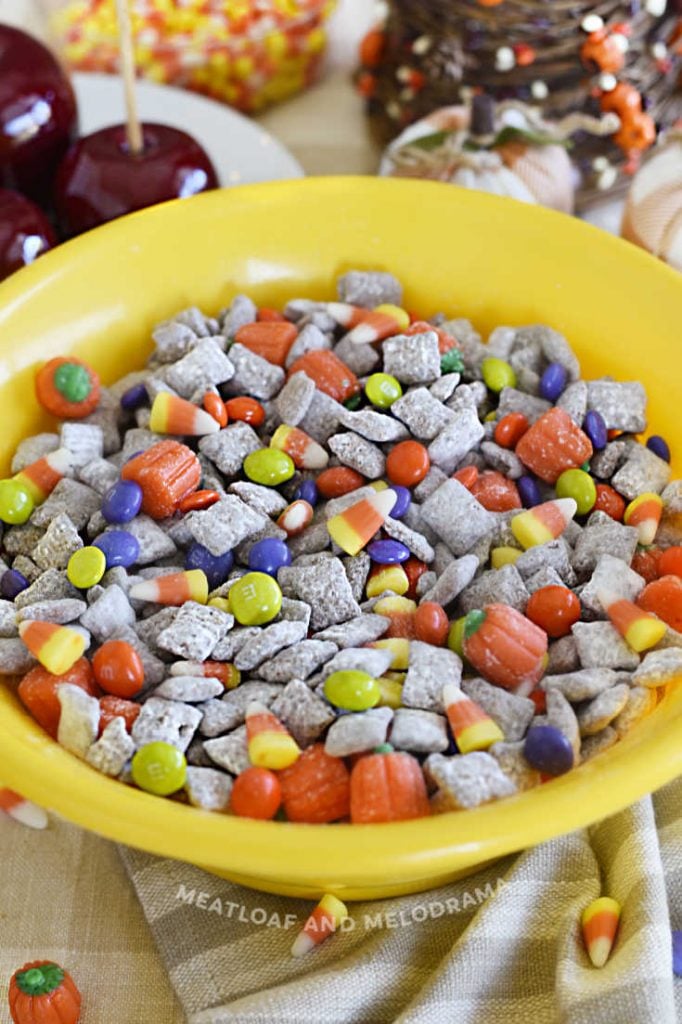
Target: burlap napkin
{"x":501,"y":946}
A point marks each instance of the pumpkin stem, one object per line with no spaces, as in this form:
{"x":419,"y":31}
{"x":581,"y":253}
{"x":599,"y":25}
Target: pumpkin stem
{"x":73,"y":382}
{"x":473,"y":622}
{"x":384,"y":748}
{"x":38,"y":981}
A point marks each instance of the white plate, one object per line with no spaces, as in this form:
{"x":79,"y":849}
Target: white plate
{"x":240,"y":149}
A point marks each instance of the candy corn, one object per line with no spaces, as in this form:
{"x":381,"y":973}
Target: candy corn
{"x":22,"y":810}
{"x":471,"y":726}
{"x":57,"y":648}
{"x":599,"y":924}
{"x":346,"y":315}
{"x":399,"y":646}
{"x":41,"y":477}
{"x":324,"y":920}
{"x":306,"y":453}
{"x":173,"y":415}
{"x":639,"y":629}
{"x":167,"y":473}
{"x":295,"y":517}
{"x":355,"y":526}
{"x":377,"y":324}
{"x":174,"y":589}
{"x":387,"y":577}
{"x":504,"y":556}
{"x":543,"y":523}
{"x":228,"y":674}
{"x":269,"y":743}
{"x":645,"y":513}
{"x":400,"y":612}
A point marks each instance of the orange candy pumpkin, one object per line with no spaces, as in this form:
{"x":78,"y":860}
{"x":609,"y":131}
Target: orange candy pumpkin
{"x":41,"y":992}
{"x":38,"y":692}
{"x":316,"y":787}
{"x":504,"y":646}
{"x":329,"y":373}
{"x":387,"y":786}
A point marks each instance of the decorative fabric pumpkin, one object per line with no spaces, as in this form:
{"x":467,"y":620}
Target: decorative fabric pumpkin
{"x":505,"y":149}
{"x":43,"y":993}
{"x":653,"y":210}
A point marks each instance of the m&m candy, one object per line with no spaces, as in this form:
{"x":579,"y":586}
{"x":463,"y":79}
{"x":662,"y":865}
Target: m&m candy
{"x":269,"y":466}
{"x":497,"y":374}
{"x":118,"y":669}
{"x":120,"y":547}
{"x":255,"y":599}
{"x":579,"y":485}
{"x":123,"y":502}
{"x":86,"y":567}
{"x":408,"y":463}
{"x":553,"y":381}
{"x":387,"y":551}
{"x":159,"y":768}
{"x":269,"y":555}
{"x":352,"y":690}
{"x":12,"y":582}
{"x":216,"y":567}
{"x":382,"y":390}
{"x":547,"y":749}
{"x":16,"y":503}
{"x":554,"y":609}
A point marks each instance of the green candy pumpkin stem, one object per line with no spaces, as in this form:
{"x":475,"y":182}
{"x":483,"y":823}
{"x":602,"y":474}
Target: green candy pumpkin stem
{"x":39,"y":981}
{"x":73,"y":382}
{"x":384,"y":748}
{"x":473,"y":622}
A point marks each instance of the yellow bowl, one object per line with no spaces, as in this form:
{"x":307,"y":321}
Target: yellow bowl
{"x":464,"y":253}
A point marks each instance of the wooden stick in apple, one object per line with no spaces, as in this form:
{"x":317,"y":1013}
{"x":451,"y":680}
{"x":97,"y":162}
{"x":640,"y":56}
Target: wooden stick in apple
{"x":125,"y":34}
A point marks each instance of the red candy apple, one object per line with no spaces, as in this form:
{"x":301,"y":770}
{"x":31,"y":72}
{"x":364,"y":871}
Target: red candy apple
{"x":100,"y":178}
{"x":37,"y":114}
{"x":25,"y":232}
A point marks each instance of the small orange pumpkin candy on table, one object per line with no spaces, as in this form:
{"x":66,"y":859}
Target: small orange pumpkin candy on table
{"x":43,"y":993}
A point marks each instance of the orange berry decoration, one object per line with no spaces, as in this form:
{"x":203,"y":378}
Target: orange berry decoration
{"x":621,"y":100}
{"x":387,"y":786}
{"x":316,"y":787}
{"x":42,"y":992}
{"x":68,"y":388}
{"x":256,"y":793}
{"x":609,"y":501}
{"x":246,"y":410}
{"x":215,"y":407}
{"x":510,"y":429}
{"x":118,"y":669}
{"x":431,"y":623}
{"x":637,"y":132}
{"x":372,"y":48}
{"x":663,"y":598}
{"x":408,"y":463}
{"x":554,"y":609}
{"x":603,"y":49}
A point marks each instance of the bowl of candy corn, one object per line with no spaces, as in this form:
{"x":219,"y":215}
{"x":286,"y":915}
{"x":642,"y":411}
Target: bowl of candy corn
{"x":329,"y":565}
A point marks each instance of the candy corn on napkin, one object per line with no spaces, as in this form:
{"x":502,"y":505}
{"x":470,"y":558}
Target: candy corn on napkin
{"x":503,"y":945}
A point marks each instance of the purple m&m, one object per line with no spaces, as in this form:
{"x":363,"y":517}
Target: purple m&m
{"x":548,"y":750}
{"x":119,"y":547}
{"x":308,"y":491}
{"x":595,"y":428}
{"x":268,"y":555}
{"x":388,"y":552}
{"x":553,"y":381}
{"x":12,"y":583}
{"x":659,"y":446}
{"x":677,"y":953}
{"x":123,"y":502}
{"x":529,"y":491}
{"x":402,"y":501}
{"x":134,"y":397}
{"x":216,"y":567}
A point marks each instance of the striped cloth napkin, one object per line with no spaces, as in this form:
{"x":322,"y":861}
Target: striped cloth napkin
{"x":501,"y":946}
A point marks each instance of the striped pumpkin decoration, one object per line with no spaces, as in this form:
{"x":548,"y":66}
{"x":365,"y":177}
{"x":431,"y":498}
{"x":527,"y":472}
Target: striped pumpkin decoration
{"x":653,"y":211}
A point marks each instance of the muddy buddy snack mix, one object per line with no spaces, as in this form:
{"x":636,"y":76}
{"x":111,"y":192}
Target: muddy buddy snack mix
{"x":339,"y":562}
